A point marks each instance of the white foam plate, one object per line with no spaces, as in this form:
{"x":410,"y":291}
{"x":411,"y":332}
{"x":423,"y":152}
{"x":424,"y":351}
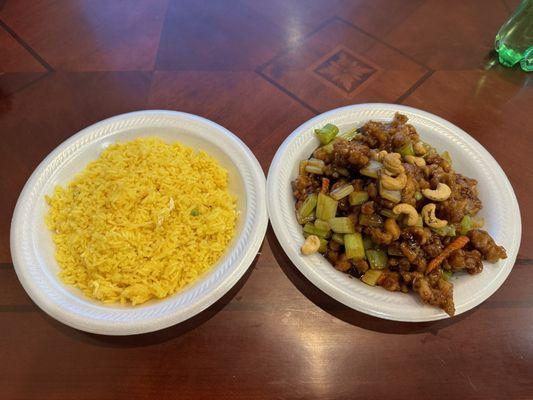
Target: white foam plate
{"x":500,"y":211}
{"x":32,"y":248}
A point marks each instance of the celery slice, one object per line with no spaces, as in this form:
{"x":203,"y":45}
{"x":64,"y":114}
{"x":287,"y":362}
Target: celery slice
{"x":371,"y":277}
{"x":327,"y":133}
{"x":308,"y":205}
{"x":341,"y":192}
{"x":358,"y":198}
{"x":326,"y":207}
{"x":313,"y":230}
{"x":322,"y":225}
{"x":342,"y":225}
{"x":353,"y":244}
{"x":377,"y":259}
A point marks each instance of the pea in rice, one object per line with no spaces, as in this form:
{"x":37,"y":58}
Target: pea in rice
{"x":142,"y":221}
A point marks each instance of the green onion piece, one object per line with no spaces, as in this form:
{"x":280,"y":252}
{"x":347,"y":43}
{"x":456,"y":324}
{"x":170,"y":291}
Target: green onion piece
{"x":447,"y":274}
{"x":392,"y":195}
{"x":322,"y":225}
{"x":370,"y":220}
{"x":303,"y":164}
{"x":337,"y":237}
{"x":466,"y":224}
{"x":448,"y":230}
{"x":371,"y":170}
{"x":308,"y":205}
{"x":349,"y":135}
{"x":353,"y":244}
{"x":195,"y":212}
{"x":371,"y":277}
{"x":327,"y":133}
{"x":447,"y":157}
{"x":316,"y":162}
{"x":368,"y":243}
{"x":313,"y":230}
{"x":388,"y":213}
{"x":358,"y":198}
{"x":342,"y":225}
{"x":323,"y":245}
{"x":302,"y":221}
{"x":406,"y":150}
{"x":341,"y":192}
{"x":314,"y":169}
{"x":418,"y":196}
{"x":328,"y":148}
{"x":326,"y":207}
{"x":377,"y":259}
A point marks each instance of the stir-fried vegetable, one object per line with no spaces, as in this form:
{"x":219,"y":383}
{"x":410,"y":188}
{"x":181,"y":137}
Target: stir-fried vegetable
{"x":315,"y":166}
{"x":377,"y":259}
{"x":327,"y":133}
{"x":406,"y":150}
{"x":326,"y":207}
{"x":353,"y":244}
{"x":308,"y":206}
{"x":448,"y":230}
{"x":371,"y":277}
{"x":358,"y":198}
{"x":323,"y":245}
{"x":322,"y":225}
{"x":342,"y":225}
{"x":371,"y":170}
{"x":388,"y":213}
{"x":313,"y":230}
{"x":341,"y":191}
{"x":368,"y":243}
{"x":466,"y":224}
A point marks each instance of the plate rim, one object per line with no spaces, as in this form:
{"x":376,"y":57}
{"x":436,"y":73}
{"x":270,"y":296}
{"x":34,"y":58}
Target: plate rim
{"x":331,"y":289}
{"x":235,"y":273}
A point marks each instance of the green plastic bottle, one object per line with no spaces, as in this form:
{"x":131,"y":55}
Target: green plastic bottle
{"x":514,"y":41}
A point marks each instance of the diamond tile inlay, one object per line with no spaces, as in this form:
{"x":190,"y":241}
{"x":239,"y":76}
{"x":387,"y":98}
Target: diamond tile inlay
{"x":345,"y":70}
{"x":339,"y":65}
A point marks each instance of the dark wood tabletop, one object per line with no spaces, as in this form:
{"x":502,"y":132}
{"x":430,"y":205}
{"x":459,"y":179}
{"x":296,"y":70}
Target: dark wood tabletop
{"x":261,"y":68}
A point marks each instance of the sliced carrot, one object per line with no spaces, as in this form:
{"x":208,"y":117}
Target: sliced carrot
{"x":325,"y":185}
{"x":457,"y":244}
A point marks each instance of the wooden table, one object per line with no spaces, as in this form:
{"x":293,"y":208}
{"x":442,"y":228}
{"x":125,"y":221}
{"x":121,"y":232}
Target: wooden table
{"x":261,"y":68}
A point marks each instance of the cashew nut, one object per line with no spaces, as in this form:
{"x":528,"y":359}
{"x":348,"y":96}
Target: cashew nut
{"x":419,"y":148}
{"x":392,"y":163}
{"x":392,"y":227}
{"x":311,"y":245}
{"x":428,"y":214}
{"x":409,"y":210}
{"x":441,"y":193}
{"x":418,"y":161}
{"x":390,"y":183}
{"x":378,"y":156}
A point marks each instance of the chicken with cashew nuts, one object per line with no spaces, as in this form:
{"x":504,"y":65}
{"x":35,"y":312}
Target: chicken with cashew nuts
{"x":385,"y":207}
